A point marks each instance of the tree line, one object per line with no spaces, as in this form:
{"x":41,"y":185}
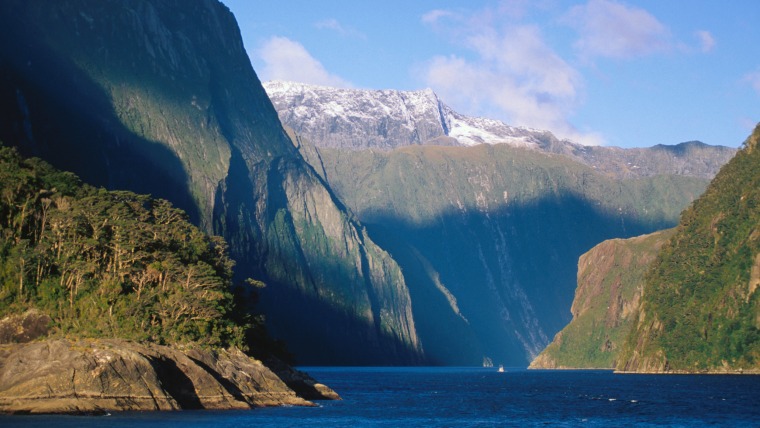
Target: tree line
{"x":113,"y":263}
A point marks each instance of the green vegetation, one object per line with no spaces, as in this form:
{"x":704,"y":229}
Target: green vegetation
{"x":610,"y":280}
{"x":111,"y":263}
{"x":423,"y":183}
{"x":496,"y":229}
{"x":160,"y":99}
{"x":701,"y":309}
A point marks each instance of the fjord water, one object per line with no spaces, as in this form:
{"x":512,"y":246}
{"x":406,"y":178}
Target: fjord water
{"x":477,"y":397}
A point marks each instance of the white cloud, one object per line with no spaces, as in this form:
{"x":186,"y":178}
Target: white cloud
{"x":753,"y":79}
{"x":434,"y":16}
{"x":706,"y":40}
{"x":614,"y":30}
{"x":332,"y":24}
{"x":508,"y":73}
{"x":285,"y":59}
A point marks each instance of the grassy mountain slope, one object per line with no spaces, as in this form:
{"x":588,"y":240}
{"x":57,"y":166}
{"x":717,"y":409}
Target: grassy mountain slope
{"x":700,"y":308}
{"x":159,"y":97}
{"x":610,"y":281}
{"x":489,"y":236}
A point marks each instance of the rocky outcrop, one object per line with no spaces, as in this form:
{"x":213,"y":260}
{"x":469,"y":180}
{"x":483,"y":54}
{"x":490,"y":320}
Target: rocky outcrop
{"x":96,"y":376}
{"x":303,"y":384}
{"x":610,"y":281}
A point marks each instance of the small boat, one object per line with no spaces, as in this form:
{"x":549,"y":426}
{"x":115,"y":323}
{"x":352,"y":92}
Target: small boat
{"x":501,"y":368}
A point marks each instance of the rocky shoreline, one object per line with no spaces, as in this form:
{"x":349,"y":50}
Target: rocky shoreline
{"x":91,"y":376}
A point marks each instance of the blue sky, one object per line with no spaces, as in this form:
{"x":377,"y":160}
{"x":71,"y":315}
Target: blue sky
{"x":624,"y":73}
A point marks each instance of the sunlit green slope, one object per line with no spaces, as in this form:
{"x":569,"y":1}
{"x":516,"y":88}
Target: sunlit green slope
{"x":610,"y":281}
{"x":700,"y":307}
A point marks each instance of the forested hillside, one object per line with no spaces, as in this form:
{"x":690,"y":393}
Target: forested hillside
{"x":610,"y":282}
{"x":110,"y":263}
{"x":700,"y":307}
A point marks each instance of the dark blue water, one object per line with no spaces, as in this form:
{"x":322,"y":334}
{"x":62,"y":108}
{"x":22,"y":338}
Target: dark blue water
{"x":465,"y":397}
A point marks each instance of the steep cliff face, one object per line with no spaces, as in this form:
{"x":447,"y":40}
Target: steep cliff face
{"x":488,"y":237}
{"x":700,"y":307}
{"x":610,"y":281}
{"x":159,"y":97}
{"x":341,"y":290}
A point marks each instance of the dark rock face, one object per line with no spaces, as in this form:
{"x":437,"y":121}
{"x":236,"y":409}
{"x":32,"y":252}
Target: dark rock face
{"x":24,"y":328}
{"x":160,"y":97}
{"x":96,"y":376}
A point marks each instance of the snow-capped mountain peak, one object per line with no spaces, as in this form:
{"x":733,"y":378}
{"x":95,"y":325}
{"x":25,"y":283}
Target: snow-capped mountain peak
{"x":385,"y":119}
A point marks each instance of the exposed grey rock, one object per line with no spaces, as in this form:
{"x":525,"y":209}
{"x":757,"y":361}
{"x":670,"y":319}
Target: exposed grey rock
{"x":96,"y":376}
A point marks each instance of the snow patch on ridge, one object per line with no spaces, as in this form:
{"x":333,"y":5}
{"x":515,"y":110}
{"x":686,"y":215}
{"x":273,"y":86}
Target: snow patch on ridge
{"x":469,"y":132}
{"x":358,"y":118}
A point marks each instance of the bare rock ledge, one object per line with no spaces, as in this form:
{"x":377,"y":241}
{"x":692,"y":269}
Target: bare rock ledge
{"x":97,"y":376}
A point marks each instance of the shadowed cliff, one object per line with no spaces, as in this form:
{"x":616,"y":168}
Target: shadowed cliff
{"x":160,"y":97}
{"x":491,"y":236}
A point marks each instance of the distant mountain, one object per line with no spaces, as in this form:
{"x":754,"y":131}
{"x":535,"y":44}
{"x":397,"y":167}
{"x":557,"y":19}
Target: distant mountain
{"x":700,"y":308}
{"x":388,"y":119}
{"x":160,"y":97}
{"x":610,"y":282}
{"x":385,"y":119}
{"x":488,"y":237}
